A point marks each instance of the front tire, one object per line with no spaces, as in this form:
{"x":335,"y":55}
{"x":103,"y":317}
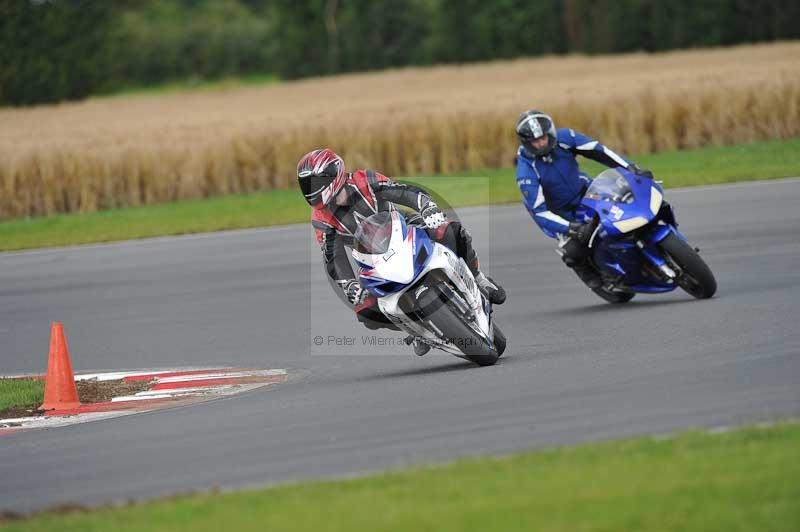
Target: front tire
{"x":475,"y":348}
{"x":499,"y":341}
{"x":695,"y":276}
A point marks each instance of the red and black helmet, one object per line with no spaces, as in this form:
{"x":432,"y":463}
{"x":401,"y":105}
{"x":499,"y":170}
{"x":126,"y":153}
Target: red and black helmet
{"x":321,"y":176}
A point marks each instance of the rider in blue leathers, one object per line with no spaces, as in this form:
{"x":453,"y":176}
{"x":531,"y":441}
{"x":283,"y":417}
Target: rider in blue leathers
{"x":552,"y":185}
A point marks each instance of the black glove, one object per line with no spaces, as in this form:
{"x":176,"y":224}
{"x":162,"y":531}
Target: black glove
{"x":581,"y":232}
{"x":644,"y":172}
{"x":353,"y":291}
{"x":433,"y":215}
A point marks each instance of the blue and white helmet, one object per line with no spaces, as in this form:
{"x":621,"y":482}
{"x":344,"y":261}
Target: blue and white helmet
{"x":533,"y":124}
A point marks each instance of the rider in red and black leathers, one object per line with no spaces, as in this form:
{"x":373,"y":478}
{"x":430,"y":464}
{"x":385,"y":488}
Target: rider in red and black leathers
{"x":341,"y":200}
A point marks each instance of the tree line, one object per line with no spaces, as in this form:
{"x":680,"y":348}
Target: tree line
{"x":53,"y":50}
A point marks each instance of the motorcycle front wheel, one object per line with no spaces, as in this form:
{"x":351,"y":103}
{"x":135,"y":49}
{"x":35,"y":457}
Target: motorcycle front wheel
{"x":453,"y":328}
{"x":695,"y":276}
{"x":499,"y":341}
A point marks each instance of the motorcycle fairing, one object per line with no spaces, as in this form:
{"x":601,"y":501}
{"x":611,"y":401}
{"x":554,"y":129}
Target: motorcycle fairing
{"x":408,"y":251}
{"x":624,"y":203}
{"x":444,"y":261}
{"x":410,"y":257}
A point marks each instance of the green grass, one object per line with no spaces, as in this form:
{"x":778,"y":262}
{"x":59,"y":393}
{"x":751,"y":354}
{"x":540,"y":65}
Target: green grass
{"x":707,"y":166}
{"x":745,"y":480}
{"x":196,"y":216}
{"x":21,"y":393}
{"x":762,"y":160}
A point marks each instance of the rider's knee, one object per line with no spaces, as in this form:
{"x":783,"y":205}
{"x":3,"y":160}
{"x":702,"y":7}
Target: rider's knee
{"x":574,"y":253}
{"x":456,"y":237}
{"x":464,"y":237}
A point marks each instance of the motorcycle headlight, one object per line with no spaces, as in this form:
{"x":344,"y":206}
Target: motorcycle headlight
{"x":626,"y":226}
{"x":655,"y":200}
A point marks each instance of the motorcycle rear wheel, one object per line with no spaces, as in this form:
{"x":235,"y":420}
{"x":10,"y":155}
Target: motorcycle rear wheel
{"x":696,"y":277}
{"x":475,"y":348}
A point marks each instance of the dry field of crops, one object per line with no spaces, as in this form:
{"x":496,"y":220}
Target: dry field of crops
{"x":138,"y":149}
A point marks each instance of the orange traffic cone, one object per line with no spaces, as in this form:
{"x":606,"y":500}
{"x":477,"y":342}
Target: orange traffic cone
{"x":60,"y":392}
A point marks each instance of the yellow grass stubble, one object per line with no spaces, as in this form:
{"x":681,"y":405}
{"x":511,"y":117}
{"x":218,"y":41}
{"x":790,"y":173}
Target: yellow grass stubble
{"x":135,"y":150}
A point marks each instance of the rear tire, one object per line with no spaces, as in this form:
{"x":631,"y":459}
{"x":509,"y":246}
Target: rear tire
{"x":475,"y":348}
{"x":695,"y":277}
{"x":615,"y":298}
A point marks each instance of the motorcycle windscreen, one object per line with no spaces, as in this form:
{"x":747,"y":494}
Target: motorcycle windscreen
{"x":611,"y":186}
{"x":374,"y":234}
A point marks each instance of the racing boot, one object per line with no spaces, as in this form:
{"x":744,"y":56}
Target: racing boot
{"x":420,"y":348}
{"x":590,"y":276}
{"x":490,"y":289}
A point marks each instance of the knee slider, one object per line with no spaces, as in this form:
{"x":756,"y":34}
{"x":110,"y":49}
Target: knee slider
{"x":569,"y":261}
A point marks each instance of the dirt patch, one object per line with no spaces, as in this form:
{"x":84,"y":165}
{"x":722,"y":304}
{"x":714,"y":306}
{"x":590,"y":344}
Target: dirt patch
{"x":19,"y":411}
{"x":89,"y":391}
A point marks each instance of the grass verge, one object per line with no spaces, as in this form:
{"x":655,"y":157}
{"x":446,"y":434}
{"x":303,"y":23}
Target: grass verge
{"x":18,"y":394}
{"x":21,"y":397}
{"x":761,"y":160}
{"x":743,"y":480}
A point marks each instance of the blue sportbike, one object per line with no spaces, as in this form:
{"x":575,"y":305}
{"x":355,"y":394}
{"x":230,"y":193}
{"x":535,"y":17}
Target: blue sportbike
{"x":636,"y":246}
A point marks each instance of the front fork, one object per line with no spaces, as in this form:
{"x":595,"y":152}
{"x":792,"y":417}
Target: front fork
{"x":654,"y":257}
{"x":648,"y":245}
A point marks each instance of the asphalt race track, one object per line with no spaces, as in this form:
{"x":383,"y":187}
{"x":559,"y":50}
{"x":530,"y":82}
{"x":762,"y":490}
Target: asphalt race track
{"x":577,"y":369}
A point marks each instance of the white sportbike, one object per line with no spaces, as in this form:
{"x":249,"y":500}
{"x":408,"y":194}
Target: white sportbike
{"x":425,"y":289}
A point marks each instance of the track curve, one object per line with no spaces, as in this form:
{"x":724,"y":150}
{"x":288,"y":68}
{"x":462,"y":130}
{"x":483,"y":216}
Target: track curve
{"x":576,"y":369}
